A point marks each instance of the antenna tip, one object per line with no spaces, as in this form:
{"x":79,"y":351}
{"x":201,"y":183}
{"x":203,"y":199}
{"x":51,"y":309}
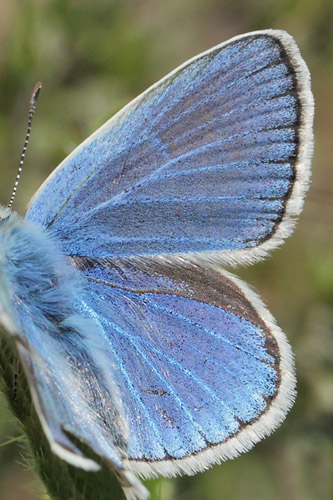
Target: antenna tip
{"x":36,"y":91}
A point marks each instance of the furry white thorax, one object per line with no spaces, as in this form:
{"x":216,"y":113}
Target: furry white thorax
{"x":35,"y":269}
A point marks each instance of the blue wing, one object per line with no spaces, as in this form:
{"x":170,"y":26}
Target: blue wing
{"x":202,"y":366}
{"x":150,"y":362}
{"x":213,"y":159}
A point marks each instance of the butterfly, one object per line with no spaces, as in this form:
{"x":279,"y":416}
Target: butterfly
{"x":133,"y":337}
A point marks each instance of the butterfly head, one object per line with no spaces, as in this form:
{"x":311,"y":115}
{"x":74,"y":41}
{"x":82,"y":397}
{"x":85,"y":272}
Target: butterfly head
{"x":4,"y":213}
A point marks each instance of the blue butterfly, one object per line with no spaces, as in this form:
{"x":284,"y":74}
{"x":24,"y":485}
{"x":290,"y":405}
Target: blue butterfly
{"x":132,"y":336}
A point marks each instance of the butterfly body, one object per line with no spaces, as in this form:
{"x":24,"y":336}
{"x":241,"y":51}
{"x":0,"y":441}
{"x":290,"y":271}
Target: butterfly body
{"x":133,"y":339}
{"x":45,"y":291}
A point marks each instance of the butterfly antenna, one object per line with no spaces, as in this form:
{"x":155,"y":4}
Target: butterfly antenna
{"x":32,"y":109}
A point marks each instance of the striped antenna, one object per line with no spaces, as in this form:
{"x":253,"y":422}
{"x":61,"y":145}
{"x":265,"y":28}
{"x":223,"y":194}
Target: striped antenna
{"x":32,"y":108}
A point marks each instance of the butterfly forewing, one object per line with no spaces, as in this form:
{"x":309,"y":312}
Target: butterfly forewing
{"x":203,"y":162}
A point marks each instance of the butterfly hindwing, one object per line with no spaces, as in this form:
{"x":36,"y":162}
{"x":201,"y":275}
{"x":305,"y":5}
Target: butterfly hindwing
{"x":203,"y":367}
{"x":213,"y":159}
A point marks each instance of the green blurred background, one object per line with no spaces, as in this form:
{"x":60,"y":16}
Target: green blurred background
{"x":93,"y":57}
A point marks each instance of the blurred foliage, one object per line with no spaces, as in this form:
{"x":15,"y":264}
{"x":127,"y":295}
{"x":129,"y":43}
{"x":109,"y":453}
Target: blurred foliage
{"x":93,"y":57}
